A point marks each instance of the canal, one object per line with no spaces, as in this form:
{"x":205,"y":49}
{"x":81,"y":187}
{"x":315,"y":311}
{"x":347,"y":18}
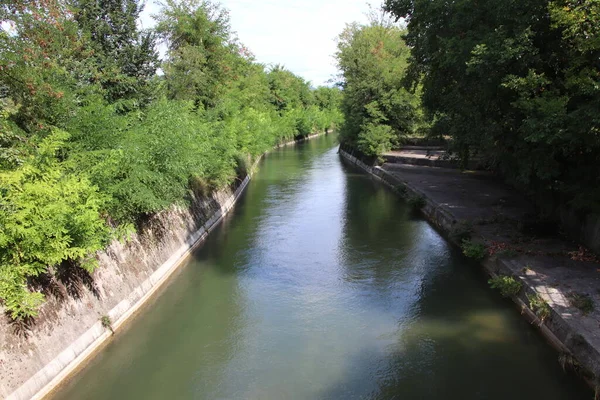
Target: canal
{"x":321,"y":284}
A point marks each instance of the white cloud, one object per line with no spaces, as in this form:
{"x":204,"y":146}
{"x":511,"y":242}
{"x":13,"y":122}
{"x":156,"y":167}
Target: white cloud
{"x":300,"y":34}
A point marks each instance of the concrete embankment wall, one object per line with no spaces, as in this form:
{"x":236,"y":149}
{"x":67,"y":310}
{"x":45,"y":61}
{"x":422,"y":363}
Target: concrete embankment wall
{"x":69,"y":329}
{"x":561,"y":331}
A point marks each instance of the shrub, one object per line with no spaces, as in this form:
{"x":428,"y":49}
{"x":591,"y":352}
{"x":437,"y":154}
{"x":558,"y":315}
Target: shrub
{"x":416,"y":202}
{"x":539,"y":306}
{"x":507,"y":285}
{"x":107,"y":323}
{"x":375,"y":139}
{"x":242,"y":165}
{"x":473,"y":250}
{"x":47,"y":216}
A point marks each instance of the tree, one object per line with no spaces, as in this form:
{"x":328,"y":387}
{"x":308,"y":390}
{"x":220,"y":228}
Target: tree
{"x":127,"y":57}
{"x":377,"y":109}
{"x":516,"y":82}
{"x":288,"y":91}
{"x":201,"y":50}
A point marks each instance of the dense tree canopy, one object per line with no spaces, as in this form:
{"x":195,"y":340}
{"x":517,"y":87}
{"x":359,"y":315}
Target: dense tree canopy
{"x":517,"y":82}
{"x":378,"y":110}
{"x":92,"y":141}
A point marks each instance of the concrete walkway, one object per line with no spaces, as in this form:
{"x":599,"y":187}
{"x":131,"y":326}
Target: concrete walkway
{"x":548,"y":264}
{"x":429,"y":156}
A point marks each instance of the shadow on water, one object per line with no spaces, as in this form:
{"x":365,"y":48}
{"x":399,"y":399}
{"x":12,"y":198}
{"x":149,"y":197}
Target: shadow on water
{"x":454,"y":339}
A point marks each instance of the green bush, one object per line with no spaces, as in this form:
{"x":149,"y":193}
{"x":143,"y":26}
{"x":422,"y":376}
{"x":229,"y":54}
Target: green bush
{"x":416,"y":202}
{"x":507,"y":285}
{"x":137,"y":143}
{"x":375,"y":139}
{"x":539,"y":306}
{"x":48,"y":216}
{"x":476,"y":251}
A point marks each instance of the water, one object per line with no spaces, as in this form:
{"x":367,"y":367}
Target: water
{"x":322,"y":285}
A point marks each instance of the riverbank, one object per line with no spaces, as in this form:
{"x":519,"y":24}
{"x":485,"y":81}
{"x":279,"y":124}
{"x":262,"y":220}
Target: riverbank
{"x":71,"y":327}
{"x":552,"y":270}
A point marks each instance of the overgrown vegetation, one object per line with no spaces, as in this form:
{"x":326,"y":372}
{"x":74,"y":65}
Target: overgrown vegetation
{"x":507,"y":285}
{"x":517,"y":83}
{"x":377,"y":109}
{"x":93,"y":140}
{"x":474,"y":250}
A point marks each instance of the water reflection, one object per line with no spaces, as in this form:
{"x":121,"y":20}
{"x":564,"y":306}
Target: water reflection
{"x":321,"y":285}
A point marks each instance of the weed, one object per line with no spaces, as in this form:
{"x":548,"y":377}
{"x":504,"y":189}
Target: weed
{"x":526,"y":268}
{"x":568,"y":362}
{"x":581,"y":301}
{"x":539,"y":306}
{"x":507,"y":285}
{"x":416,"y":202}
{"x":473,"y":250}
{"x":107,"y":323}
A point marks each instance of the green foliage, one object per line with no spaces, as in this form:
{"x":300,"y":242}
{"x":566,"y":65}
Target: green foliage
{"x":476,"y":251}
{"x":539,"y":306}
{"x":377,"y":109}
{"x":375,"y":139}
{"x":507,"y":285}
{"x":581,"y":301}
{"x":126,"y":56}
{"x":201,"y":50}
{"x":94,"y":142}
{"x":288,"y":91}
{"x":517,"y":83}
{"x":48,"y":216}
{"x":107,"y":323}
{"x":416,"y":202}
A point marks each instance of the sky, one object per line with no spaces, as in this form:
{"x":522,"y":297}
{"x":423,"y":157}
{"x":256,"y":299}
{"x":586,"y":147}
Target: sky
{"x":299,"y":34}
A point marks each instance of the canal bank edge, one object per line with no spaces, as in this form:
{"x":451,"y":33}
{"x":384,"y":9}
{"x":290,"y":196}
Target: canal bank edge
{"x":68,"y":332}
{"x":573,"y":344}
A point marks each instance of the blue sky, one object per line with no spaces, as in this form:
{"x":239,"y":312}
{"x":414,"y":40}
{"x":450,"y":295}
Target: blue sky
{"x":300,"y":34}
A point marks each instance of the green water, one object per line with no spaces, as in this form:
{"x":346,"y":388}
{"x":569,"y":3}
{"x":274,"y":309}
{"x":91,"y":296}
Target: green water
{"x":322,"y":285}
